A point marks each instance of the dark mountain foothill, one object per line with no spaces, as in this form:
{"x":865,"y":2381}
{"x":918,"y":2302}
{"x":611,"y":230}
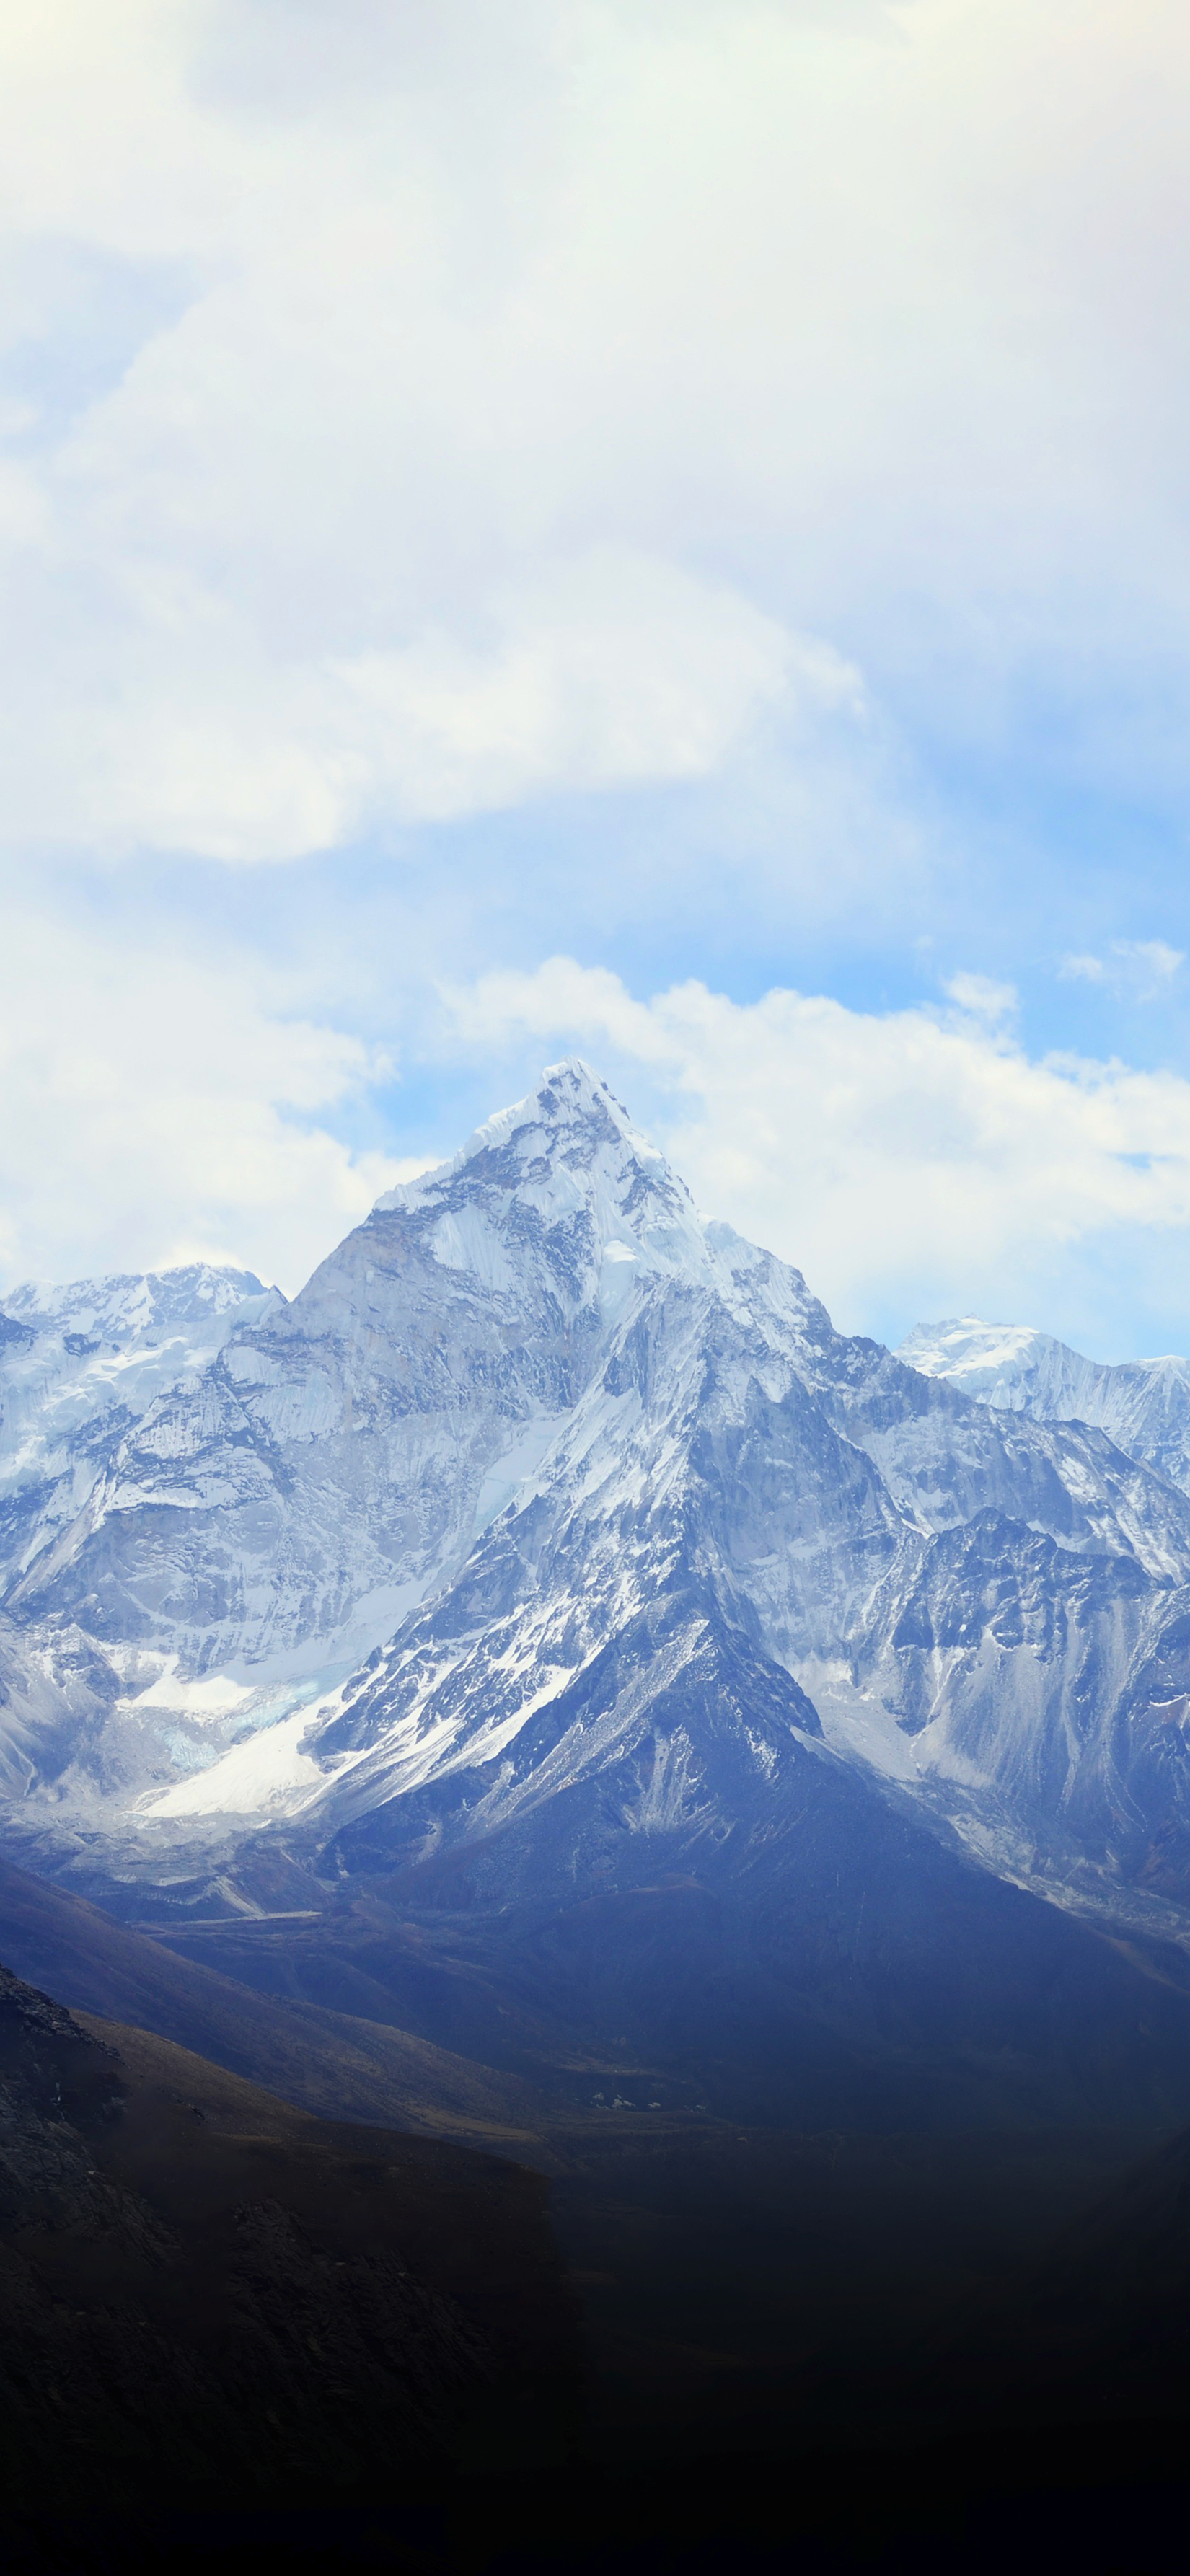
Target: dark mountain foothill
{"x":758,"y":2305}
{"x":229,"y":2328}
{"x":212,"y":2300}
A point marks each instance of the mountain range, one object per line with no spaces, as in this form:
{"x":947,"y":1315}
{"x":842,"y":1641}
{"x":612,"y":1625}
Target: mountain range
{"x":552,"y":1579}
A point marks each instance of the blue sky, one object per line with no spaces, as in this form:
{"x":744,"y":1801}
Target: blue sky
{"x":651,"y":529}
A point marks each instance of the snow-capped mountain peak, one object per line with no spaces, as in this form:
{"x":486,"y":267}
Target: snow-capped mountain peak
{"x":996,"y":1363}
{"x":562,"y":1177}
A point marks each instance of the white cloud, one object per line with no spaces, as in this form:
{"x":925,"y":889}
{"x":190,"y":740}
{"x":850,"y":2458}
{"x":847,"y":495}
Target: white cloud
{"x":411,"y":412}
{"x":164,"y":1106}
{"x":609,"y":671}
{"x":915,"y":1159}
{"x":514,"y":386}
{"x":166,"y":1100}
{"x":605,"y":672}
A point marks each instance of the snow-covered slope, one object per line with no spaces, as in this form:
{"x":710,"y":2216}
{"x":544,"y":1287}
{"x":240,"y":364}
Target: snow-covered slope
{"x":543,"y":1491}
{"x":1143,"y":1405}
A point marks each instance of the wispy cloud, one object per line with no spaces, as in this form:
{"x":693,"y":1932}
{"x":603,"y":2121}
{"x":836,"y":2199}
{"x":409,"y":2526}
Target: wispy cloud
{"x":980,"y":997}
{"x":1141,"y":969}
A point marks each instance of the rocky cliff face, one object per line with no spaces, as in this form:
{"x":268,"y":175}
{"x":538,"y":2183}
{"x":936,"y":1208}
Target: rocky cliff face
{"x":542,"y":1482}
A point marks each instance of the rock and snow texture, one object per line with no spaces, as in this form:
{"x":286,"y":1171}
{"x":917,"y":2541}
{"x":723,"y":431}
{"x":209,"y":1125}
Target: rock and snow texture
{"x":543,"y":1491}
{"x":80,"y":1365}
{"x":267,"y":1521}
{"x":1143,"y":1405}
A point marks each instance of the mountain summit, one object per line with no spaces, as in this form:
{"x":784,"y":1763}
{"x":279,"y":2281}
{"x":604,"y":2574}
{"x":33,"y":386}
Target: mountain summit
{"x":561,"y":1185}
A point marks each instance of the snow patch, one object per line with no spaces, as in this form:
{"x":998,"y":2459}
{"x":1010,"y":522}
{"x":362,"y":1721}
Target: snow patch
{"x":269,"y":1772}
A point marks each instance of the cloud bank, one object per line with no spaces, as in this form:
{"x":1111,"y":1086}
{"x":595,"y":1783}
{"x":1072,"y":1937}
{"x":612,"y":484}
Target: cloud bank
{"x":758,"y":425}
{"x":177,"y":1103}
{"x":410,"y":413}
{"x":909,"y":1161}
